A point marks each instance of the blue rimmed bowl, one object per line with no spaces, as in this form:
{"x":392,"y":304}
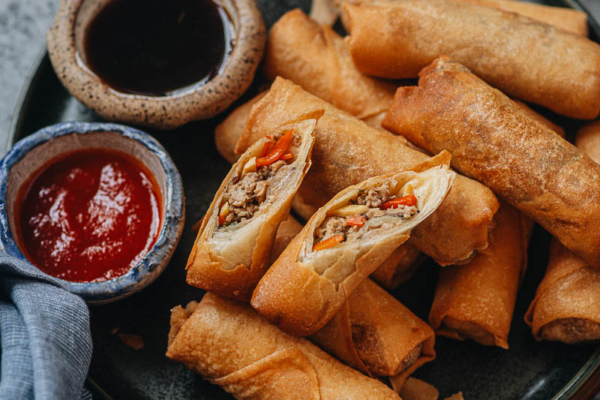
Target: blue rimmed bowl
{"x":34,"y":151}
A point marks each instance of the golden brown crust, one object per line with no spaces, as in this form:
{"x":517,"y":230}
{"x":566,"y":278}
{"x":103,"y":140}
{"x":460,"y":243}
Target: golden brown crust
{"x":521,"y":160}
{"x":230,"y":345}
{"x":539,"y":118}
{"x":319,"y":60}
{"x":522,"y":57}
{"x":399,"y":266}
{"x":567,"y":19}
{"x":303,"y":289}
{"x":347,"y":151}
{"x":228,"y":132}
{"x":566,"y":307}
{"x":232,"y":262}
{"x":376,"y":334}
{"x":415,"y":389}
{"x":477,"y":300}
{"x":588,"y":140}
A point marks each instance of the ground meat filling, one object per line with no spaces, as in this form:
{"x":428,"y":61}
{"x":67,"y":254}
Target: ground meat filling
{"x":374,"y":199}
{"x":247,"y":194}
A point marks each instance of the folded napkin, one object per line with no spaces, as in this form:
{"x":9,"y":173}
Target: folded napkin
{"x":45,"y":342}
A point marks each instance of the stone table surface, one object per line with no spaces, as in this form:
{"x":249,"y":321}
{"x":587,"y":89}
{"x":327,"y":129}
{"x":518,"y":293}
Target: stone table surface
{"x":23,"y":26}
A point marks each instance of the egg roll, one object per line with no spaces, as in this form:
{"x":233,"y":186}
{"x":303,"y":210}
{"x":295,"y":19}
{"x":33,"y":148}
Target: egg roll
{"x":399,"y":266}
{"x":230,"y":345}
{"x":567,"y":19}
{"x":588,"y":140}
{"x":524,"y":58}
{"x":343,"y":243}
{"x":535,"y":170}
{"x":374,"y":333}
{"x":233,"y":247}
{"x":566,"y":307}
{"x":319,"y":60}
{"x":228,"y":132}
{"x":476,"y":301}
{"x":347,"y":151}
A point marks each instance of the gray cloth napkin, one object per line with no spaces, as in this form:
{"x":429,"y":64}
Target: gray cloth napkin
{"x":45,"y":341}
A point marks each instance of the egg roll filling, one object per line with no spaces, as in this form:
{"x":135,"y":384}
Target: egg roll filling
{"x":248,"y":191}
{"x":371,"y":209}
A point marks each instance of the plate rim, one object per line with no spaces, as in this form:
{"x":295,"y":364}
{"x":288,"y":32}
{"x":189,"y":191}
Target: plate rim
{"x":25,"y":95}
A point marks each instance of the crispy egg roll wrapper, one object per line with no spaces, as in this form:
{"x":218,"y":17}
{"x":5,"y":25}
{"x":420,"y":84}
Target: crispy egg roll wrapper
{"x":228,"y":132}
{"x":566,"y":307}
{"x":535,"y":170}
{"x":230,"y":345}
{"x":525,"y":109}
{"x":524,"y":58}
{"x":231,"y":260}
{"x":319,"y":60}
{"x":399,"y":266}
{"x":374,"y":333}
{"x":416,"y":389}
{"x":476,"y":301}
{"x":303,"y":289}
{"x":567,"y":19}
{"x":347,"y":151}
{"x":588,"y":140}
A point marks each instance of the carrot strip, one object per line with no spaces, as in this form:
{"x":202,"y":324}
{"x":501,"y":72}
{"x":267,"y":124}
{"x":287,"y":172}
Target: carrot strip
{"x":409,"y":200}
{"x":325,"y":244}
{"x":277,"y":151}
{"x":357,"y":220}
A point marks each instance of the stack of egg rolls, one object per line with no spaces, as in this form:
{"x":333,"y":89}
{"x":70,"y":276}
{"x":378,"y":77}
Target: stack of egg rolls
{"x":230,"y":345}
{"x":307,"y":285}
{"x":524,"y":58}
{"x":566,"y":307}
{"x":567,"y":19}
{"x":230,"y":259}
{"x":348,"y":151}
{"x":526,"y":163}
{"x":477,"y":300}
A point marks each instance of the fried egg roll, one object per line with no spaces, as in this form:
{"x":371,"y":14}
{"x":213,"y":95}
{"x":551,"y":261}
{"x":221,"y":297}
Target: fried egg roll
{"x":319,"y":60}
{"x":567,"y":19}
{"x":374,"y":333}
{"x":524,"y":58}
{"x":566,"y":307}
{"x":535,"y":170}
{"x":399,"y":266}
{"x":476,"y":301}
{"x":233,"y":247}
{"x":588,"y":140}
{"x":347,"y":151}
{"x":230,"y":345}
{"x":343,"y":243}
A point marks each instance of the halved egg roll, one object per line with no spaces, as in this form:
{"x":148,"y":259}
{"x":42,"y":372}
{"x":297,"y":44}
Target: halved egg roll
{"x":319,"y":60}
{"x":374,"y":333}
{"x":233,"y":245}
{"x":535,"y":170}
{"x":566,"y":307}
{"x":476,"y":301}
{"x":567,"y":19}
{"x":524,"y":58}
{"x":230,"y":345}
{"x":342,"y":244}
{"x":347,"y":151}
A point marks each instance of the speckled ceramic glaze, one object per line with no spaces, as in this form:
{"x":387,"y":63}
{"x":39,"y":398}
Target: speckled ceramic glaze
{"x":32,"y":152}
{"x":65,"y":47}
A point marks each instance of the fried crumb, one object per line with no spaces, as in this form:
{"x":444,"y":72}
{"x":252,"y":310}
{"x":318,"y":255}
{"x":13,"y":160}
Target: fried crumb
{"x":134,"y":341}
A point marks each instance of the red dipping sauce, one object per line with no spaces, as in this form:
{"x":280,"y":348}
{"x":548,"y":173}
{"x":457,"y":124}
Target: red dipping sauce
{"x":89,"y":215}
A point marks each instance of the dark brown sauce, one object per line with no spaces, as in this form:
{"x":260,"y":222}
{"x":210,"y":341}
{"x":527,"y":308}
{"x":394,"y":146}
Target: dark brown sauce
{"x":158,"y":47}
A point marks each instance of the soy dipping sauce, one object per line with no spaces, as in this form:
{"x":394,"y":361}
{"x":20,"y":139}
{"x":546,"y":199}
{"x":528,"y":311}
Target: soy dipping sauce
{"x":158,"y":47}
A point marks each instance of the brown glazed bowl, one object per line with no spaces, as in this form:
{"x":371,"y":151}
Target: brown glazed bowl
{"x":65,"y":47}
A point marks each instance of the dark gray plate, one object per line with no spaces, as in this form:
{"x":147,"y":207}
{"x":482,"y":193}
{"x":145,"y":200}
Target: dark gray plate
{"x":529,"y":370}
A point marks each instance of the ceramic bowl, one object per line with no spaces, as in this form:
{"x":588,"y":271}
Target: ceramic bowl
{"x":34,"y":151}
{"x":65,"y":47}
